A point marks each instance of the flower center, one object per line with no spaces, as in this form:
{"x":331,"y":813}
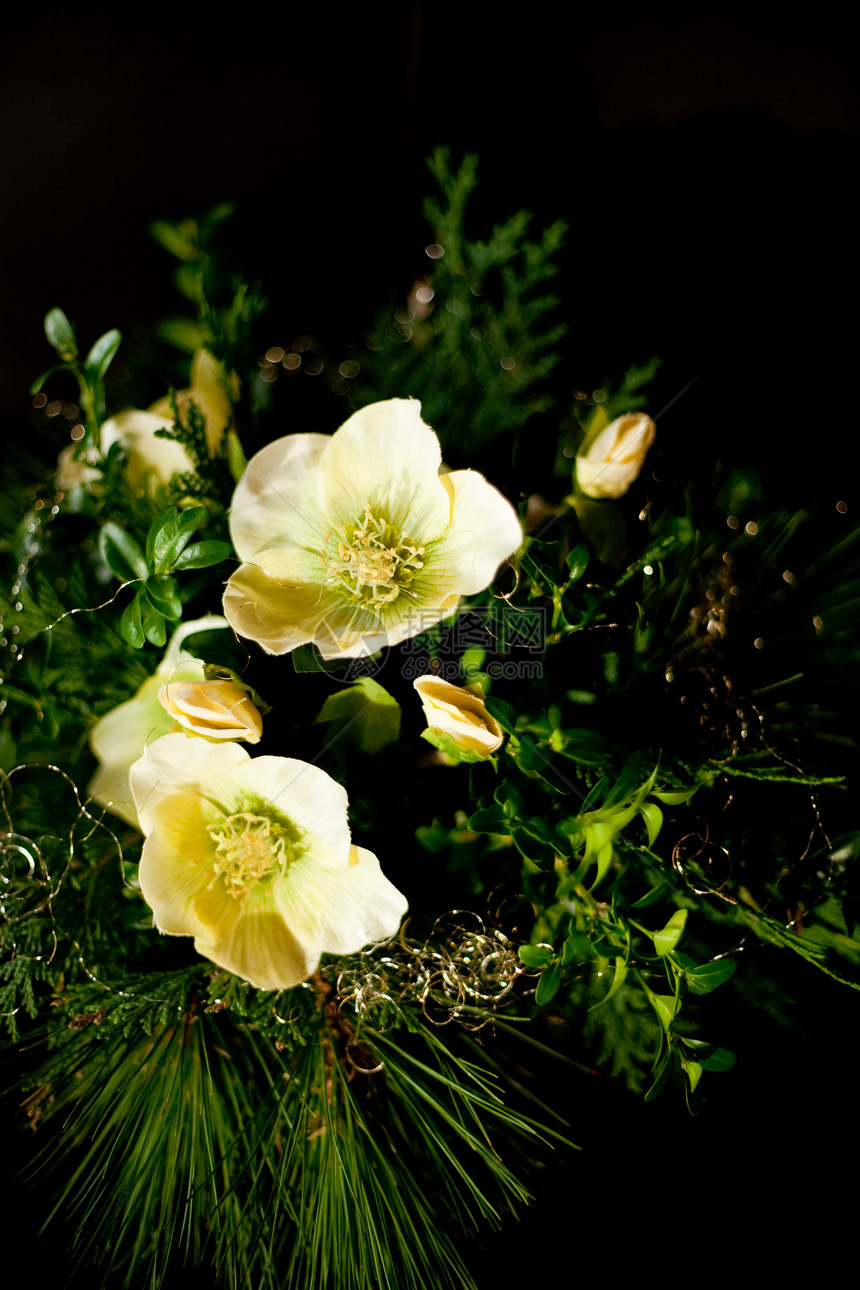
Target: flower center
{"x":372,"y":561}
{"x":250,"y":849}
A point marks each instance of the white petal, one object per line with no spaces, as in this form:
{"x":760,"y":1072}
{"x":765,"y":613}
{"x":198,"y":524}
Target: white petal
{"x":263,"y":605}
{"x":485,"y":531}
{"x":135,"y":430}
{"x":118,"y":739}
{"x":276,"y":503}
{"x":340,"y":908}
{"x":263,"y":949}
{"x":387,"y":456}
{"x":308,"y":796}
{"x":183,"y":762}
{"x":176,"y":875}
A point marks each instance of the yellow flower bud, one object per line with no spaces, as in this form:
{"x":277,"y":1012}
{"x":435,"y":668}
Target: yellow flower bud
{"x":613,"y":459}
{"x":216,"y":709}
{"x":460,"y":713}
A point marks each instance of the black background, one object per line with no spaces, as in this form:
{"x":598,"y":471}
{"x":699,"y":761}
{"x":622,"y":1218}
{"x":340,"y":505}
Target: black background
{"x":705,"y":162}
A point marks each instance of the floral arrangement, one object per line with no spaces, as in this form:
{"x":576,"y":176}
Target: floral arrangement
{"x":346,"y":763}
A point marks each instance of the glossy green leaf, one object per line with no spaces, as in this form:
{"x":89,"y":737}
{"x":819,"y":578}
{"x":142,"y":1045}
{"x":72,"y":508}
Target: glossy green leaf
{"x":130,"y":624}
{"x":664,"y":1071}
{"x":653,"y":817}
{"x":666,"y":1007}
{"x":61,"y":334}
{"x":674,"y":796}
{"x":40,"y":381}
{"x":618,"y":979}
{"x":704,"y":979}
{"x":173,"y":535}
{"x":491,"y":819}
{"x":716,"y":1059}
{"x":363,"y":714}
{"x":692,"y":1070}
{"x":504,"y":714}
{"x":547,"y":987}
{"x":577,"y":562}
{"x":667,"y":938}
{"x":536,"y":956}
{"x":121,"y":553}
{"x":153,"y":624}
{"x":102,"y":354}
{"x":163,"y":594}
{"x":307,"y":658}
{"x":200,"y":555}
{"x":660,"y":892}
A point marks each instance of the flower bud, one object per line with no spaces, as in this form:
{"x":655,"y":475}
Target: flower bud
{"x":461,"y":713}
{"x":614,"y":458}
{"x":216,"y":709}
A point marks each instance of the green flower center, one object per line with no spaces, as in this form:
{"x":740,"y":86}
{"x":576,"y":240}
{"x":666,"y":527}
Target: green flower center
{"x":250,"y":849}
{"x":372,"y":561}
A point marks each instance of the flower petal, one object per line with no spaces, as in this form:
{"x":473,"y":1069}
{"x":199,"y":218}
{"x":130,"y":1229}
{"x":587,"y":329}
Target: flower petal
{"x":386,"y":455}
{"x":263,"y":604}
{"x":263,"y":949}
{"x":340,"y":907}
{"x":176,"y":875}
{"x":184,"y":762}
{"x":484,"y":532}
{"x":135,"y":430}
{"x":309,"y":797}
{"x":276,"y":502}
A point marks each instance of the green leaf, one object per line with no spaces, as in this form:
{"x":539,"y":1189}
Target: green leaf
{"x":445,"y":743}
{"x":504,"y":714}
{"x":536,"y":956}
{"x":364,"y":713}
{"x":674,"y":796}
{"x":662,"y":1078}
{"x":163,"y":594}
{"x":40,"y":381}
{"x":653,"y":817}
{"x":61,"y":334}
{"x":577,"y":562}
{"x":200,"y":555}
{"x":491,"y":819}
{"x":617,"y":982}
{"x":665,"y":1006}
{"x":307,"y":658}
{"x":650,"y":898}
{"x":121,"y":553}
{"x":173,"y":535}
{"x":693,"y":1071}
{"x":153,"y":624}
{"x":716,"y":1059}
{"x":130,"y":624}
{"x":547,"y":987}
{"x":102,"y":354}
{"x":667,"y":938}
{"x":704,"y":979}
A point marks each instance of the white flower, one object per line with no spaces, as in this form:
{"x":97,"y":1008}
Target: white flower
{"x":215,"y":709}
{"x":461,"y":713}
{"x":359,"y":540}
{"x":120,"y":736}
{"x":253,"y":858}
{"x":150,"y":457}
{"x":613,"y":459}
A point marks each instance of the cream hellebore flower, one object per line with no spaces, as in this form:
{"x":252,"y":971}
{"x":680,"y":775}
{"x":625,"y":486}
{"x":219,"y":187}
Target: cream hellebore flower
{"x":149,"y":455}
{"x":613,"y":459}
{"x":460,"y":712}
{"x":122,"y":734}
{"x":253,"y":858}
{"x":359,"y":540}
